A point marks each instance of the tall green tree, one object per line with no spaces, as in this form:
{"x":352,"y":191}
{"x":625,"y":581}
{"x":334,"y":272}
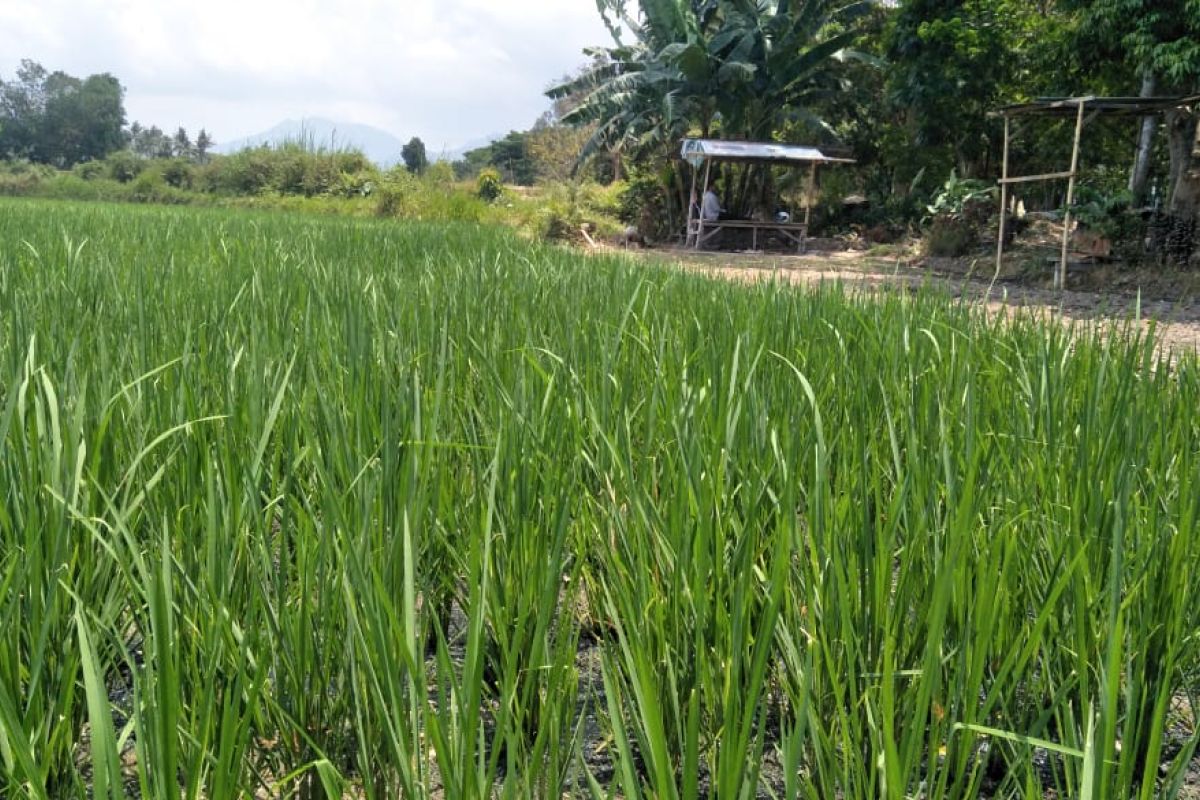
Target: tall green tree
{"x":181,"y":144}
{"x":952,"y":61}
{"x":204,"y":143}
{"x":151,"y":142}
{"x":22,"y":104}
{"x":413,"y":154}
{"x":56,"y":118}
{"x":1158,"y":43}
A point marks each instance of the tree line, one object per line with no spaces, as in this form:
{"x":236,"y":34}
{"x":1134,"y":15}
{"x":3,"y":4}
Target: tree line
{"x":61,"y":120}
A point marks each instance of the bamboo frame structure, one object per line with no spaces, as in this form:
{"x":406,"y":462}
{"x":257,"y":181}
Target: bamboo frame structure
{"x":1060,"y":272}
{"x":1065,"y":107}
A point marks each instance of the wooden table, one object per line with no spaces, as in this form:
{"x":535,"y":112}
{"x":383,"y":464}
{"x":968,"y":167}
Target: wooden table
{"x":796,"y":232}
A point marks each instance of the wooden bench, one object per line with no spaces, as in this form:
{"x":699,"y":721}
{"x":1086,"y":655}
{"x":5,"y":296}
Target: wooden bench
{"x":795,"y":232}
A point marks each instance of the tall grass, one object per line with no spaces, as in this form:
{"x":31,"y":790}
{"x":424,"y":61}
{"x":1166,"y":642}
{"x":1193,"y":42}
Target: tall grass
{"x":312,"y":507}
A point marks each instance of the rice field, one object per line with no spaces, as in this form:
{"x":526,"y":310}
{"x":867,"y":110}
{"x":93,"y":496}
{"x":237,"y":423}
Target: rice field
{"x":298,"y":507}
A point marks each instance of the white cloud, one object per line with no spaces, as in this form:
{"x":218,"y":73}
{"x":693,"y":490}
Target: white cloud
{"x":446,"y":70}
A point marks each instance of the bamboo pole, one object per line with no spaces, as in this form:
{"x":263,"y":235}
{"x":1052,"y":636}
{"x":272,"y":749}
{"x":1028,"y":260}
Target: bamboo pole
{"x":1048,"y":176}
{"x":1061,"y":281}
{"x":1003,"y":201}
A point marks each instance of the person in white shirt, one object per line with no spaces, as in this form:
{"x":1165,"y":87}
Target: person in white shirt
{"x":710,"y":207}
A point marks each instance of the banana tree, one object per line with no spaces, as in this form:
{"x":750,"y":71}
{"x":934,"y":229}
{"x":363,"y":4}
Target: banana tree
{"x":738,"y":68}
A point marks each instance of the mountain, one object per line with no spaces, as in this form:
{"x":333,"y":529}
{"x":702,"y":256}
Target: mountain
{"x":378,"y":145}
{"x":458,"y":152}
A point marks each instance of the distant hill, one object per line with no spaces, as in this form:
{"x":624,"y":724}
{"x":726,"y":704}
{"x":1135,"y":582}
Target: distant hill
{"x":378,"y":145}
{"x":458,"y":152}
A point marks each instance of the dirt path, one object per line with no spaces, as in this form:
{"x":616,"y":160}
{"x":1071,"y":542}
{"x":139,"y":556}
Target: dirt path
{"x":1178,"y":321}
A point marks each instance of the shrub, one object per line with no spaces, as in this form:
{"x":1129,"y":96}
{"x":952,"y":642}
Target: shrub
{"x":950,"y":237}
{"x":247,"y":172}
{"x":488,"y":185}
{"x":177,"y":172}
{"x":643,"y":203}
{"x":152,"y":187}
{"x":964,"y":198}
{"x":439,"y":173}
{"x":90,"y":170}
{"x":559,"y":223}
{"x":959,"y":211}
{"x":388,"y":201}
{"x":356,"y":184}
{"x":21,"y":177}
{"x":123,"y":166}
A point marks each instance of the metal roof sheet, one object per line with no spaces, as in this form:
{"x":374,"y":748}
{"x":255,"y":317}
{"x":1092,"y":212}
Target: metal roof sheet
{"x":721,"y":150}
{"x":1069,"y":106}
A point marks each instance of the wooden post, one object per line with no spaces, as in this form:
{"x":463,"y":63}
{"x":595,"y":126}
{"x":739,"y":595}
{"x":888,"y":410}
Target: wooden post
{"x":687,"y":236}
{"x":700,"y":229}
{"x":1061,"y":279}
{"x":1003,"y":201}
{"x":808,"y":200}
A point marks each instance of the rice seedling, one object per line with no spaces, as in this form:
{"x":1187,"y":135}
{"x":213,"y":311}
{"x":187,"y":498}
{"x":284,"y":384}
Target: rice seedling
{"x":323,"y":507}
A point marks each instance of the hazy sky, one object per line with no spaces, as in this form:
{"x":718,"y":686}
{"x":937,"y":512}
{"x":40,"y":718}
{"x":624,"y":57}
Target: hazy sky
{"x":449,"y":71}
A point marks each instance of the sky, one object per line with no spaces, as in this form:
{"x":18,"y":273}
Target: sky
{"x":449,"y":71}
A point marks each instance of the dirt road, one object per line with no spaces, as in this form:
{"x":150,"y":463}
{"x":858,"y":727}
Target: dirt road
{"x":1177,"y":321}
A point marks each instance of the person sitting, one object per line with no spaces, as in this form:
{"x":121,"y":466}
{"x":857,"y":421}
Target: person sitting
{"x":710,"y":207}
{"x":711,"y":211}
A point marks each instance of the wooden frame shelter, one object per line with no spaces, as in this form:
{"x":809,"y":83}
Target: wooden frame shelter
{"x":1083,"y":110}
{"x":703,"y":152}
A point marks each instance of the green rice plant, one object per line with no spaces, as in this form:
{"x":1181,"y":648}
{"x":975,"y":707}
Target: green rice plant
{"x":316,"y":507}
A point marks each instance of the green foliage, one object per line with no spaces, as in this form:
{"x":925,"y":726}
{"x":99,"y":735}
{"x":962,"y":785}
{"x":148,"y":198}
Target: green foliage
{"x":21,"y":177}
{"x":645,"y":204}
{"x":743,"y":68}
{"x":291,"y":168}
{"x":150,"y":142}
{"x":413,"y":154}
{"x":489,"y":186}
{"x":177,"y":172}
{"x":554,"y":149}
{"x":1098,"y":210}
{"x":962,"y":197}
{"x":1159,"y":36}
{"x":959,"y":212}
{"x":952,"y":61}
{"x":156,"y":185}
{"x":55,"y":118}
{"x":472,"y":163}
{"x":508,"y":156}
{"x":563,"y":211}
{"x":1112,"y":215}
{"x":124,"y":166}
{"x":90,"y":170}
{"x":402,"y":195}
